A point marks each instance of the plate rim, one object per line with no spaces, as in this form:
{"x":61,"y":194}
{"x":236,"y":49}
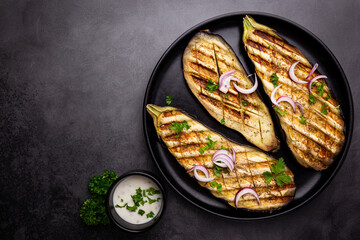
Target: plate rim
{"x":348,"y":128}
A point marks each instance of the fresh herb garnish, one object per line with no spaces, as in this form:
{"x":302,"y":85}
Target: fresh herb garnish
{"x":218,"y":186}
{"x":320,"y":89}
{"x":303,"y":120}
{"x":217,"y":170}
{"x":324,"y":110}
{"x":244,"y":102}
{"x":201,"y":131}
{"x":312,"y":98}
{"x":151,"y":191}
{"x":274,"y":79}
{"x":169,"y":99}
{"x":328,"y":97}
{"x":93,"y":210}
{"x":222,"y":147}
{"x":141,"y":212}
{"x":223,"y":121}
{"x":209,"y":145}
{"x":277,"y":173}
{"x":268,"y":47}
{"x":150,"y":215}
{"x":282,"y":113}
{"x":227,"y":96}
{"x":211,"y":86}
{"x":226,"y":170}
{"x":179,"y":127}
{"x":337,"y":107}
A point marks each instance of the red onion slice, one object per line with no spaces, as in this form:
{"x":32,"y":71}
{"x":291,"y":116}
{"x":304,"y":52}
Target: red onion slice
{"x":287,"y":99}
{"x":224,"y":81}
{"x":223,"y":160}
{"x":272,"y":97}
{"x":300,"y":107}
{"x":247,"y":91}
{"x":312,"y":70}
{"x":244,"y":191}
{"x":292,"y":74}
{"x":313,"y":80}
{"x":204,"y":170}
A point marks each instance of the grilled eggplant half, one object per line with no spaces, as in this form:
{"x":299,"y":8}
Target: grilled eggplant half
{"x":206,"y":58}
{"x":316,"y":137}
{"x":250,"y":163}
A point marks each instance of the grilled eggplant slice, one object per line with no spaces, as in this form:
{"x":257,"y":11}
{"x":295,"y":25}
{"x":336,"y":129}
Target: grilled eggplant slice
{"x":249,"y":165}
{"x":205,"y":59}
{"x":317,"y":141}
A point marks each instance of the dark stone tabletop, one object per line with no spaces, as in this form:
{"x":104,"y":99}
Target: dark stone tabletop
{"x":72,"y":80}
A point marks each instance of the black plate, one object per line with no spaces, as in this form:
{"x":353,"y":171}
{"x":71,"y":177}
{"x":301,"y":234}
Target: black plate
{"x":167,"y":78}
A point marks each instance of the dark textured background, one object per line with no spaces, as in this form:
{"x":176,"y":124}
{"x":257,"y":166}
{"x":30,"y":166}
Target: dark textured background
{"x":72,"y":79}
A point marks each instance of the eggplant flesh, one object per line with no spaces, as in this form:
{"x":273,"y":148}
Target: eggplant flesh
{"x":205,"y":59}
{"x":316,"y":142}
{"x":250,"y":163}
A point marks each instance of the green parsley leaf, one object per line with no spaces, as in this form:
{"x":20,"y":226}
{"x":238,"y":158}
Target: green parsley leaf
{"x":100,"y":184}
{"x":179,"y":127}
{"x":268,"y":176}
{"x":312,"y":99}
{"x":282,"y":179}
{"x":151,"y":191}
{"x":217,"y":170}
{"x":268,"y":47}
{"x":122,"y":200}
{"x":227,"y":96}
{"x":169,"y":99}
{"x":244,"y":102}
{"x":93,"y":211}
{"x":222,"y":147}
{"x":324,"y":110}
{"x":303,"y":120}
{"x":321,"y":89}
{"x":141,"y":212}
{"x":282,"y":113}
{"x":223,"y":121}
{"x":211,"y":86}
{"x":202,"y":150}
{"x":218,"y":186}
{"x":201,"y":131}
{"x":274,"y":79}
{"x":131,"y":209}
{"x":210,"y":145}
{"x":337,"y":107}
{"x":277,"y":173}
{"x":150,"y":215}
{"x":328,"y":97}
{"x":213,"y":184}
{"x":226,"y":170}
{"x":151,"y":201}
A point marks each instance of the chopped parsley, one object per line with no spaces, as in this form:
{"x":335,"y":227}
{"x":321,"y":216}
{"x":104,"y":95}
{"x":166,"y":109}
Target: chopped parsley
{"x":201,"y":131}
{"x":141,"y":212}
{"x":217,"y":170}
{"x":209,"y":145}
{"x":227,"y":96}
{"x":328,"y":97}
{"x":211,"y":86}
{"x":218,"y":186}
{"x":274,"y":79}
{"x":179,"y":127}
{"x":244,"y":102}
{"x":312,"y":99}
{"x":320,"y":89}
{"x":222,"y":147}
{"x":223,"y":121}
{"x":337,"y":107}
{"x":268,"y":47}
{"x":169,"y":99}
{"x":303,"y":120}
{"x":278,"y":110}
{"x":150,"y":215}
{"x":324,"y":110}
{"x":277,"y":173}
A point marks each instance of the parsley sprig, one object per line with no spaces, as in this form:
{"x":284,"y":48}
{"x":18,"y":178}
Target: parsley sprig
{"x":324,"y":110}
{"x":169,"y":99}
{"x":209,"y":145}
{"x":302,"y":120}
{"x":179,"y":127}
{"x":278,"y":110}
{"x":312,"y":98}
{"x":320,"y":89}
{"x":211,"y":86}
{"x":274,"y":79}
{"x":218,"y":186}
{"x":277,"y":173}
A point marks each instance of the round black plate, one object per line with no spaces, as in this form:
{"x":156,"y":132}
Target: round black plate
{"x":167,"y":78}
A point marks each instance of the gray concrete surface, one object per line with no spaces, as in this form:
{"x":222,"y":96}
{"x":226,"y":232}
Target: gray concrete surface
{"x":72,"y":80}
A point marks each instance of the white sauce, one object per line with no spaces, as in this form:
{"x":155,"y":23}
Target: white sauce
{"x":126,"y":188}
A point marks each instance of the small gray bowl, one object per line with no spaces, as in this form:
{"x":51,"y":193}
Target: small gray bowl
{"x":121,"y":223}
